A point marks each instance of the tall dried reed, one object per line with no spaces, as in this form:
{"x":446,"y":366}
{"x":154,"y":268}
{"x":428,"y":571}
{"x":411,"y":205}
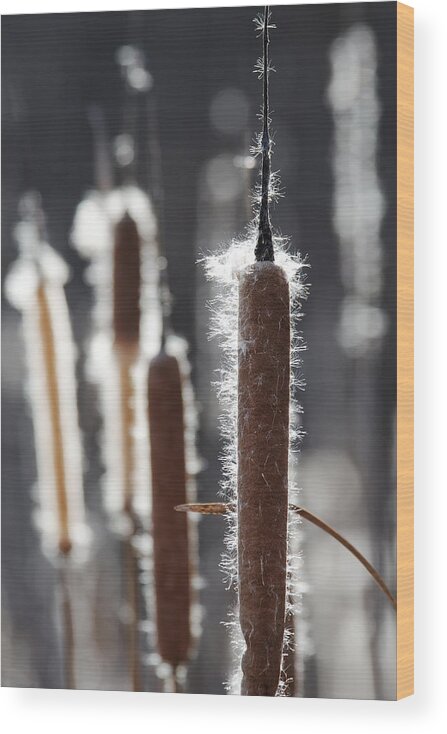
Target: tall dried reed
{"x":35,"y":285}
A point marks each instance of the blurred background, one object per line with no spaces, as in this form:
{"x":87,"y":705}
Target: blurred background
{"x":333,"y":105}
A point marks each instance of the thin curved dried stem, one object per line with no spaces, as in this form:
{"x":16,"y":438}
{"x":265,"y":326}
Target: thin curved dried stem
{"x":221,"y":508}
{"x":351,"y":548}
{"x":264,"y":246}
{"x":132,"y":593}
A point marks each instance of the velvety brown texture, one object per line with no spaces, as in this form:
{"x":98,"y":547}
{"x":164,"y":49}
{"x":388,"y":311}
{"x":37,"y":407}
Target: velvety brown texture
{"x":172,"y":570}
{"x":126,"y":283}
{"x":263,"y":455}
{"x":49,"y":358}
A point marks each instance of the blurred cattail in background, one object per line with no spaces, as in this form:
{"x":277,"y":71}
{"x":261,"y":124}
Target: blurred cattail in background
{"x":126,"y":330}
{"x":172,"y":419}
{"x":35,"y":285}
{"x":148,"y":397}
{"x":263,"y":457}
{"x":116,"y":229}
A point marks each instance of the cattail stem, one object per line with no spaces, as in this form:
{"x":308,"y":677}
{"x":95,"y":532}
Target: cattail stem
{"x":133,"y":597}
{"x":263,"y":457}
{"x":126,"y":329}
{"x":172,"y":682}
{"x":67,"y":625}
{"x":171,"y":547}
{"x":127,"y":422}
{"x":263,"y":442}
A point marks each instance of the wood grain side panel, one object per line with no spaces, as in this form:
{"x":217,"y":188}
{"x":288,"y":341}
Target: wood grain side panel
{"x":405,"y":353}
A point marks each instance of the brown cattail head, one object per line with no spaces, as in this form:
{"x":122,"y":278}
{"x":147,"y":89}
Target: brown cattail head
{"x":172,"y":565}
{"x":263,"y":457}
{"x":126,"y":285}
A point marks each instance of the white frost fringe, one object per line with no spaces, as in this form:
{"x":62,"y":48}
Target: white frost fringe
{"x":225,"y":269}
{"x":93,"y":236}
{"x":176,"y":347}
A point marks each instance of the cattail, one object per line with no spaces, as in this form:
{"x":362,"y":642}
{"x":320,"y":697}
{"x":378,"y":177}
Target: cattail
{"x":126,"y":331}
{"x":170,"y":530}
{"x":122,"y":272}
{"x":263,"y":444}
{"x":49,"y":360}
{"x":126,"y":286}
{"x":35,"y":285}
{"x":116,"y":229}
{"x":170,"y":418}
{"x":253,"y":318}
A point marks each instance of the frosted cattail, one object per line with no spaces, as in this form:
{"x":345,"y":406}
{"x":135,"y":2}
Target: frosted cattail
{"x":172,"y":429}
{"x":116,"y":229}
{"x":49,"y":360}
{"x":264,"y":367}
{"x":263,"y":458}
{"x":256,"y":323}
{"x":254,"y":319}
{"x":171,"y":548}
{"x":171,"y":417}
{"x":35,"y":285}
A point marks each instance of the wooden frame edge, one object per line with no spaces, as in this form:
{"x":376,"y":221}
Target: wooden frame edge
{"x":405,"y":353}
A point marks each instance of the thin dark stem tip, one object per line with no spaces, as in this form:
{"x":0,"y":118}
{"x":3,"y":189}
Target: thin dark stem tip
{"x":264,"y":246}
